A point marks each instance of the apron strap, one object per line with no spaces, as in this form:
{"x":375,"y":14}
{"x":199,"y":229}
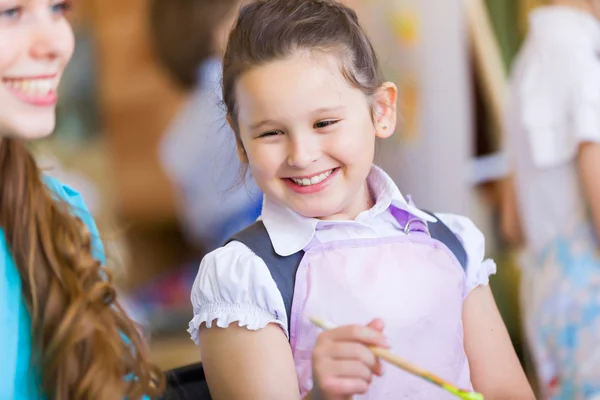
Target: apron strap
{"x":282,"y":269}
{"x":436,"y":230}
{"x":439,"y":231}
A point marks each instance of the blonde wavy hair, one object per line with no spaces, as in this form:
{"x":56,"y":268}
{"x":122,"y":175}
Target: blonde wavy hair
{"x":84,"y":345}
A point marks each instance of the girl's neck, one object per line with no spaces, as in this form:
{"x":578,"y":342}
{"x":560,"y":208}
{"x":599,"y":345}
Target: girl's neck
{"x":364,"y":201}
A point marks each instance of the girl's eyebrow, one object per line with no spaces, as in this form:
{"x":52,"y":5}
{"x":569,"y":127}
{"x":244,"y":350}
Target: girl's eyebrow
{"x":261,"y":123}
{"x":321,"y":110}
{"x":328,"y":109}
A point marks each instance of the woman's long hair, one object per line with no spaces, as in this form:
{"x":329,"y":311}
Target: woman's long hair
{"x":84,"y":345}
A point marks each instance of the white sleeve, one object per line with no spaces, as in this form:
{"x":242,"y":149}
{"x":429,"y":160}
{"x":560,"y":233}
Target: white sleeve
{"x":586,"y":104}
{"x":234,"y":285}
{"x":559,"y":105}
{"x":479,"y":268}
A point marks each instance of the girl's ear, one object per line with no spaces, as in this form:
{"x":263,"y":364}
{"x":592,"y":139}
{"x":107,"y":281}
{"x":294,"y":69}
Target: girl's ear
{"x":384,"y":110}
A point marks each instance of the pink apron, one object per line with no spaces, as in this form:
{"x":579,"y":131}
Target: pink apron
{"x":413,"y":282}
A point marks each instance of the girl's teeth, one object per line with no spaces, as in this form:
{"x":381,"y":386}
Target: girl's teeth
{"x":312,"y":181}
{"x":33,"y":87}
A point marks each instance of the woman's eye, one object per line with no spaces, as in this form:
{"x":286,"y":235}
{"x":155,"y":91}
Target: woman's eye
{"x":325,"y":124}
{"x":11,"y":13}
{"x":62,"y":8}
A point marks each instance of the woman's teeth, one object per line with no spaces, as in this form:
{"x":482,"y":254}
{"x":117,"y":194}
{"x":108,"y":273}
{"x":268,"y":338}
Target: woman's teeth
{"x":32,"y":87}
{"x":312,"y":181}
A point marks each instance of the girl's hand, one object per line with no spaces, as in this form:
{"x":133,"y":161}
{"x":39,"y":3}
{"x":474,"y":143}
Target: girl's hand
{"x":343,"y":364}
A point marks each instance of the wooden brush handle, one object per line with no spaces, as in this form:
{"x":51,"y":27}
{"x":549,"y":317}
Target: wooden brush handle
{"x":405,"y":365}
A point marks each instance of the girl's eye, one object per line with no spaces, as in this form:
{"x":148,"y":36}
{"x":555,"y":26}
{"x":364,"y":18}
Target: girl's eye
{"x":14,"y":13}
{"x":325,"y":124}
{"x":270,"y":133}
{"x":11,"y":13}
{"x":62,"y":8}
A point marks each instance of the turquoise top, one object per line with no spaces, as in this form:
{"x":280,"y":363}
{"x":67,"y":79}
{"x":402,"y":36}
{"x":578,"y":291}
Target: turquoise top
{"x":16,"y":380}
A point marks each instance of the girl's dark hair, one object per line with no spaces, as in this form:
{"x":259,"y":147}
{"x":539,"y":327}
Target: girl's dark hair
{"x":270,"y":30}
{"x":183,"y":33}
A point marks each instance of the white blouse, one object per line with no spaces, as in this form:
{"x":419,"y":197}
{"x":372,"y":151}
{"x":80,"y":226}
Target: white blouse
{"x":553,"y":107}
{"x":235,"y":285}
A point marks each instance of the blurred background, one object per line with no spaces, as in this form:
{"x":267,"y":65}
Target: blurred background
{"x":135,"y":77}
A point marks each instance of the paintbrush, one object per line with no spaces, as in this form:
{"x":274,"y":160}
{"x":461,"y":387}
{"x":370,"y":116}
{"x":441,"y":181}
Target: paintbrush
{"x":408,"y":367}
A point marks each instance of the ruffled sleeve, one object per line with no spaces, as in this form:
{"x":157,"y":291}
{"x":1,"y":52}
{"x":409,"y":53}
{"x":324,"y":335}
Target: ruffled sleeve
{"x":479,"y":268}
{"x":234,"y":285}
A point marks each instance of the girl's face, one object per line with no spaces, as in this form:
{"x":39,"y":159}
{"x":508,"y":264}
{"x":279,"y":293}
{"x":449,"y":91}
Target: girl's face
{"x":36,"y":43}
{"x":309,"y":137}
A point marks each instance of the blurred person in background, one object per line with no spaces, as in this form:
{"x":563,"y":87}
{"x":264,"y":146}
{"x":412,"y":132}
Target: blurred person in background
{"x":63,"y":334}
{"x":553,"y":124}
{"x":198,"y":149}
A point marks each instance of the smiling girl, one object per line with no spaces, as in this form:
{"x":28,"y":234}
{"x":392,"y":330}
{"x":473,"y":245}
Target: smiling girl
{"x":337,"y":239}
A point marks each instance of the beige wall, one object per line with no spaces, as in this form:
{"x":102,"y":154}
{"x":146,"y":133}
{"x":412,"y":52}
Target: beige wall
{"x":137,"y":103}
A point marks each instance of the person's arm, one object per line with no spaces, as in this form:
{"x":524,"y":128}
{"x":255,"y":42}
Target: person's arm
{"x":495,"y":369}
{"x":248,"y":365}
{"x":588,"y":161}
{"x":510,"y":222}
{"x":239,"y":320}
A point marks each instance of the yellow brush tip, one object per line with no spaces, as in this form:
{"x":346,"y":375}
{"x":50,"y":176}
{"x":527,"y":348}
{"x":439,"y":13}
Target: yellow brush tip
{"x":472,"y":396}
